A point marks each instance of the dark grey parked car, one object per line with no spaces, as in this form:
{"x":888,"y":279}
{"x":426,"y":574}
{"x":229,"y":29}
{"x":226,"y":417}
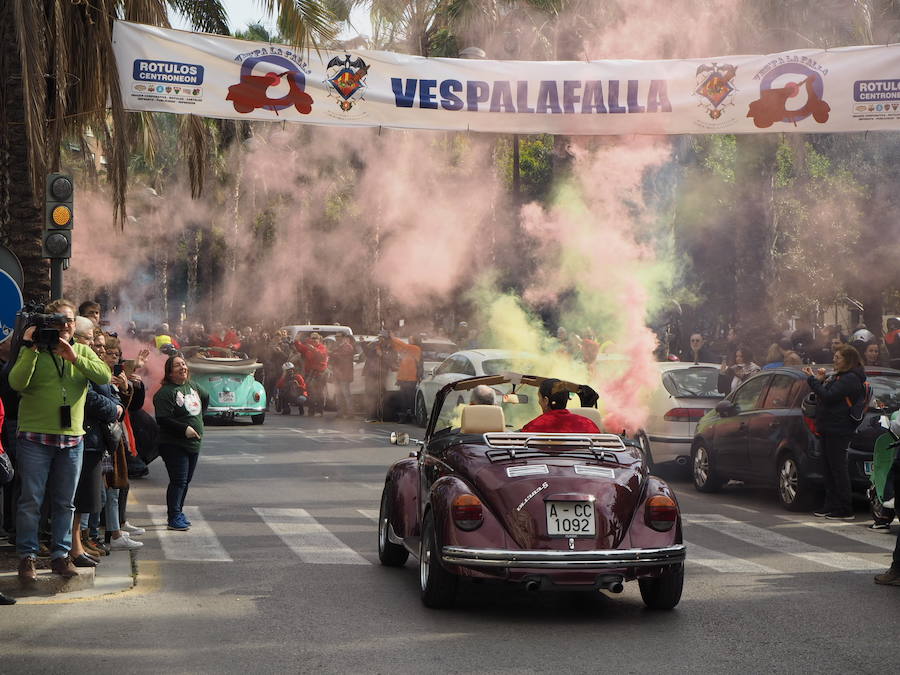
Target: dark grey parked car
{"x":758,"y":434}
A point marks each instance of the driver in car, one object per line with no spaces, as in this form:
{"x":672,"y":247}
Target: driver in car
{"x":553,"y":398}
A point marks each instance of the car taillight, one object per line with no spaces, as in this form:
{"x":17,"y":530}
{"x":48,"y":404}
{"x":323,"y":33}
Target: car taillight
{"x":661,"y":513}
{"x":467,"y":512}
{"x":256,"y":397}
{"x":684,"y":414}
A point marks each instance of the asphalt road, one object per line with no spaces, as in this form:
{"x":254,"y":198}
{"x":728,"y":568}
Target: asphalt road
{"x":280,"y":574}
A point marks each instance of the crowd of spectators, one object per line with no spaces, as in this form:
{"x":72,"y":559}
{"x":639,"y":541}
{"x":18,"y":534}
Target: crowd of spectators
{"x":73,"y":428}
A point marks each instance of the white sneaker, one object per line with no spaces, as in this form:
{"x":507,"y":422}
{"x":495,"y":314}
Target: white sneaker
{"x":124,"y":543}
{"x":889,"y":504}
{"x":131,"y":530}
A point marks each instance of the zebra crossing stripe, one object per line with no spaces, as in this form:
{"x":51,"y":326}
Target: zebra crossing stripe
{"x":371,"y":514}
{"x":722,"y":562}
{"x":199,"y":545}
{"x":307,"y":538}
{"x":847,"y":530}
{"x":759,"y":536}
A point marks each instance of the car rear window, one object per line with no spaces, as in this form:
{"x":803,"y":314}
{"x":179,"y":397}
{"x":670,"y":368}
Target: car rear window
{"x":437,"y":351}
{"x":699,"y":382}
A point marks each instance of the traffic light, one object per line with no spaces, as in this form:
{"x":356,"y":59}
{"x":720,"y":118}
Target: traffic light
{"x":57,"y":238}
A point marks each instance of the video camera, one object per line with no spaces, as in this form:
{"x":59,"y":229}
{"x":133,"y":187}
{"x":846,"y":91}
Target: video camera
{"x":46,"y":333}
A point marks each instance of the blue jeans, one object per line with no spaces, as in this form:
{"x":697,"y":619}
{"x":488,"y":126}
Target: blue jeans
{"x":180,"y":464}
{"x":55,"y":471}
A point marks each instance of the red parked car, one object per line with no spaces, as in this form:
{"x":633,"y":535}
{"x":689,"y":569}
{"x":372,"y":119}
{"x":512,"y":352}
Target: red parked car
{"x":481,"y":500}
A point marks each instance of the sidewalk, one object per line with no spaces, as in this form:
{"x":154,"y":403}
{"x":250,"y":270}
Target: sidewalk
{"x":114,"y":574}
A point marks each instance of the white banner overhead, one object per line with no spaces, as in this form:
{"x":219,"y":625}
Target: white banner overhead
{"x":807,"y":91}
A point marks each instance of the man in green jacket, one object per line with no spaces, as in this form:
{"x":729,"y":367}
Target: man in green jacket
{"x":53,"y":385}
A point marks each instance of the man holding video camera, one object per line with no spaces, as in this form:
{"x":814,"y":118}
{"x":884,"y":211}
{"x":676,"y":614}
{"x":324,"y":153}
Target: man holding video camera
{"x":51,"y":374}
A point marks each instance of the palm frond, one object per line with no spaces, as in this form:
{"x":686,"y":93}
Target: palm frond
{"x":206,"y":16}
{"x":303,"y":23}
{"x":195,"y":140}
{"x":32,"y":41}
{"x":151,"y":12}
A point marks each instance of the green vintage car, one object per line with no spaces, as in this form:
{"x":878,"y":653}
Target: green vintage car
{"x":228,"y":376}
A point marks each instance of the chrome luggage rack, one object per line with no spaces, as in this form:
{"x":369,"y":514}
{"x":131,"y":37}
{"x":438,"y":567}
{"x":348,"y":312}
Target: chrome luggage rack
{"x":521,"y":445}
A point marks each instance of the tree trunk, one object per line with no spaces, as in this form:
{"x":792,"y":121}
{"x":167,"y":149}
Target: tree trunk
{"x":754,"y":235}
{"x":21,"y":219}
{"x":194,"y":237}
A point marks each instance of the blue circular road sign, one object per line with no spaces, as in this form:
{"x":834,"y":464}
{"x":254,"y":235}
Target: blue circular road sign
{"x":11,"y":303}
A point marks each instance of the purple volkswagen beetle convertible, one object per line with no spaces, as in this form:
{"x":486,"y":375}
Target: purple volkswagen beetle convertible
{"x":563,"y":511}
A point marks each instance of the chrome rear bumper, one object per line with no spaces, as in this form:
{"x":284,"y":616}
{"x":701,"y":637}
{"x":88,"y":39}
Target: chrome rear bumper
{"x":232,"y":410}
{"x":607,"y":559}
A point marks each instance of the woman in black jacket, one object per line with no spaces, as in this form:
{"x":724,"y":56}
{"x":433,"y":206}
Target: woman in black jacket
{"x":835,"y":395}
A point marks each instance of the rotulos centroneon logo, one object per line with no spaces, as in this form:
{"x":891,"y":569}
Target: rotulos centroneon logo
{"x":168,"y":81}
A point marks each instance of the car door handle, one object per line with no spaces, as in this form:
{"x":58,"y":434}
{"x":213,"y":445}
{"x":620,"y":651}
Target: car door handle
{"x":774,"y":425}
{"x":743,"y":425}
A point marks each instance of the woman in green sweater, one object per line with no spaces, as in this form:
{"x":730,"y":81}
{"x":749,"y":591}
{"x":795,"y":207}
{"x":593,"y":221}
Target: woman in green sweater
{"x":179,"y":406}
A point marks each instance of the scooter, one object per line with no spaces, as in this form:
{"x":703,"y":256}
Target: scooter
{"x":881,"y":497}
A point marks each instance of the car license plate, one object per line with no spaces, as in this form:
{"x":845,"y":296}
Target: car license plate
{"x":570,"y":519}
{"x":226,"y":397}
{"x":867,"y":467}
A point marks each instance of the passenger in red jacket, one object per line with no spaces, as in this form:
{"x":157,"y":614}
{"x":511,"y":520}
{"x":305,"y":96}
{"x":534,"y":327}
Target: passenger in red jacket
{"x":553,"y":398}
{"x":315,"y":362}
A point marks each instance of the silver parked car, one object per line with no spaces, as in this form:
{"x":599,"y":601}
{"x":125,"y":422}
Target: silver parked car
{"x":685,"y":393}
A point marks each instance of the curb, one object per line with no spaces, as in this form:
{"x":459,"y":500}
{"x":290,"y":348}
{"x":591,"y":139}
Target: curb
{"x":115,"y":573}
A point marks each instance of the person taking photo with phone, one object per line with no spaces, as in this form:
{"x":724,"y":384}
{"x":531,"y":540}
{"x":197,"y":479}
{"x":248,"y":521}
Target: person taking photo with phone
{"x":835,"y":394}
{"x":53,"y":383}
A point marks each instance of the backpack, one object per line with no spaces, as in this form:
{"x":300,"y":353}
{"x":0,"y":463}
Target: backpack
{"x":860,"y":407}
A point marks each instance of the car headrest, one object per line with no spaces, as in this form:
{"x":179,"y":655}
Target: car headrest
{"x":591,"y":413}
{"x":480,"y":419}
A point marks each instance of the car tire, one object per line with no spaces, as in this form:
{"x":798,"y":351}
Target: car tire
{"x":794,"y":490}
{"x":438,"y":586}
{"x":389,"y":553}
{"x":664,"y":591}
{"x":421,"y":412}
{"x":703,"y":470}
{"x":258,"y":419}
{"x":642,"y":440}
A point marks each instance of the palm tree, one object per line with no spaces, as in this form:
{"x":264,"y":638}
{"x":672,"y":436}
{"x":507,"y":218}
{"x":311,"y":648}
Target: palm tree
{"x":58,"y":70}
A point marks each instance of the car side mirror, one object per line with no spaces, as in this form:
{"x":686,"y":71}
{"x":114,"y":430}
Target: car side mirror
{"x":725,"y":408}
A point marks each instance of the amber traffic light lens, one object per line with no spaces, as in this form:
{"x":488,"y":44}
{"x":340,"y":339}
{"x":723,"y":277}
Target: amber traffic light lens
{"x":62,"y":215}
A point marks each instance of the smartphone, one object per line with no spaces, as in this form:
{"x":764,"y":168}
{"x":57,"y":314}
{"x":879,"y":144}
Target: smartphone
{"x":128,"y":367}
{"x":117,"y":369}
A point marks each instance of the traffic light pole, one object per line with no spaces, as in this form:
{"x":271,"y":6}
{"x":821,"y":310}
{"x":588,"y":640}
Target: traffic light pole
{"x":56,"y":278}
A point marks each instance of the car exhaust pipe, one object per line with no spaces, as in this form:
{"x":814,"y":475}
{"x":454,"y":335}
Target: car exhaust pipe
{"x":613,"y":584}
{"x":682,"y":460}
{"x":532,"y":585}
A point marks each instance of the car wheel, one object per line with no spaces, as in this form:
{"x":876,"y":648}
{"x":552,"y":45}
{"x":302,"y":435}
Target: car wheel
{"x":794,"y":490}
{"x":389,"y":553}
{"x":258,"y":419}
{"x":703,"y":469}
{"x":644,"y":442}
{"x":421,"y":413}
{"x":438,"y":586}
{"x":664,"y":591}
